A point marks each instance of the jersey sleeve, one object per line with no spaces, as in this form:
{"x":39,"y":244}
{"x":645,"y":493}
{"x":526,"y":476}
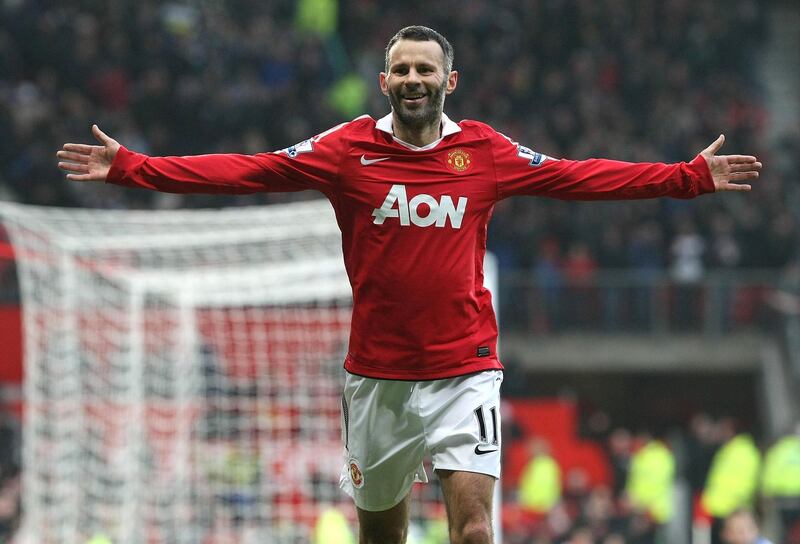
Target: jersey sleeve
{"x":311,"y":164}
{"x":522,"y":171}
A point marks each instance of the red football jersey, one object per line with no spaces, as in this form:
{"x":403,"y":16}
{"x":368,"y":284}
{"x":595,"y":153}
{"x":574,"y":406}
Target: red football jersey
{"x":413,"y":222}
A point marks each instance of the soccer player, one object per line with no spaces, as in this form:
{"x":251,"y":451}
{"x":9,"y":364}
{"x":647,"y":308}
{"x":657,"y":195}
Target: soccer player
{"x":413,"y":193}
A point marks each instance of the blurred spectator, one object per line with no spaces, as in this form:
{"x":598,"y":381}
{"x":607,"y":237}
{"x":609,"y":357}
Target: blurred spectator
{"x":601,"y":513}
{"x":651,"y":481}
{"x":702,"y":444}
{"x":579,"y":270}
{"x":781,"y":476}
{"x":550,"y":281}
{"x":620,"y":450}
{"x":581,"y":535}
{"x":780,"y":482}
{"x":732,"y":480}
{"x":332,"y":527}
{"x":686,"y":252}
{"x":645,"y":256}
{"x":576,"y":493}
{"x":740,"y":528}
{"x":540,"y":483}
{"x":317,"y":16}
{"x":725,"y":255}
{"x":611,"y":256}
{"x":348,"y":95}
{"x":687,"y":269}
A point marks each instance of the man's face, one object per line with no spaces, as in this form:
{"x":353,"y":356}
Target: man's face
{"x":416,"y":83}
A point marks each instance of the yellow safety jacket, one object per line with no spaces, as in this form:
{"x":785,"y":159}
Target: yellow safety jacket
{"x":540,"y":484}
{"x":318,"y":17}
{"x":332,"y":528}
{"x":733,"y":477}
{"x":651,"y":480}
{"x":781,"y":476}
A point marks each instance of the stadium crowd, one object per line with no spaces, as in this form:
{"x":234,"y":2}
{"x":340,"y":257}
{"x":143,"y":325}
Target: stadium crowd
{"x":625,"y":79}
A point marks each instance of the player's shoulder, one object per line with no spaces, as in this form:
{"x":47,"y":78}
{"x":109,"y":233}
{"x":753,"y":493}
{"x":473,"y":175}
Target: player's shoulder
{"x":361,"y":128}
{"x":482,"y":131}
{"x":470,"y":127}
{"x":363,"y":121}
{"x":359,"y":125}
{"x":362,"y":124}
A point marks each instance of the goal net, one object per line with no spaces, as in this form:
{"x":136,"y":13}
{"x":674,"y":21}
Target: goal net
{"x":183,"y":374}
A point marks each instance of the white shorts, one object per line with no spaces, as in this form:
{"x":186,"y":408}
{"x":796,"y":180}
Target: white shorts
{"x":388,"y":426}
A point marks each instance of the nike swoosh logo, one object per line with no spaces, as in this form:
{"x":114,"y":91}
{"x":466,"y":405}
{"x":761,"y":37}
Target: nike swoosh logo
{"x":366,"y":162}
{"x":479,"y":451}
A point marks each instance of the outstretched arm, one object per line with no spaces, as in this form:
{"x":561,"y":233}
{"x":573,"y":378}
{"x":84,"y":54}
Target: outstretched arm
{"x":89,"y":162}
{"x":312,"y":164}
{"x":522,"y":171}
{"x":730,"y":168}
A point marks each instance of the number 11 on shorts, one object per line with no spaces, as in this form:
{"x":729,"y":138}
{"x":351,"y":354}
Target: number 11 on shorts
{"x":485,"y":445}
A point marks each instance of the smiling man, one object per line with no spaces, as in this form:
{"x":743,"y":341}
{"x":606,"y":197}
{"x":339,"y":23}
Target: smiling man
{"x":419,"y":74}
{"x":413,"y":193}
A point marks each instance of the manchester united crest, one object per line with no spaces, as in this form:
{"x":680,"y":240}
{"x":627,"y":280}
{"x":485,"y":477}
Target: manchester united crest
{"x":458,"y":160}
{"x":356,"y":475}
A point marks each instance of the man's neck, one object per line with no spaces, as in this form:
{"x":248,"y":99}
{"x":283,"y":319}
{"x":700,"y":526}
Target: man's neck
{"x":418,"y":136}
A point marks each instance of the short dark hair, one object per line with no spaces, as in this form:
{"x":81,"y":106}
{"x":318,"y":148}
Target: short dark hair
{"x":419,"y":33}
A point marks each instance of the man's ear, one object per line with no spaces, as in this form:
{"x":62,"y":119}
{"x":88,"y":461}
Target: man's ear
{"x":384,"y":85}
{"x":452,"y":81}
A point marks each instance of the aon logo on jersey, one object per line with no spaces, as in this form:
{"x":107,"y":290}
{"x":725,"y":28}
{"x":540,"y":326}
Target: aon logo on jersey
{"x":439,"y":211}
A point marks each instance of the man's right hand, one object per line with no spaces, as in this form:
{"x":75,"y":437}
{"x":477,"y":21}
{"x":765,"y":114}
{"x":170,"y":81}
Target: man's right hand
{"x":89,"y":162}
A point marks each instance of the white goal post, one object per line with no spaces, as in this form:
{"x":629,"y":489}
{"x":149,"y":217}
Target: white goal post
{"x":183,"y":373}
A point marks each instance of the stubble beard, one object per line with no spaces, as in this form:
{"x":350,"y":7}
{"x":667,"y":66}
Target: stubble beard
{"x":428,"y":115}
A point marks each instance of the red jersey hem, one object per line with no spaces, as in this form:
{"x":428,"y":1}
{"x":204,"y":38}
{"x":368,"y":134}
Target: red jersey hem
{"x":467,"y":367}
{"x":120,"y":166}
